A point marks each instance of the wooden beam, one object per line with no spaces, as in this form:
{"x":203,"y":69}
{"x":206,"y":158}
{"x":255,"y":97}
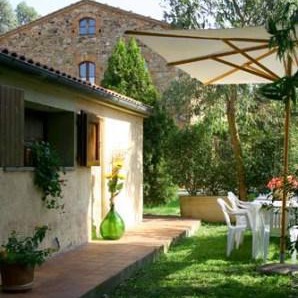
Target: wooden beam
{"x":177,"y":35}
{"x":226,"y":74}
{"x":254,"y":61}
{"x":217,"y":55}
{"x":244,"y":68}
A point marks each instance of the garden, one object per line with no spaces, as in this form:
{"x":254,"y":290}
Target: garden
{"x":198,"y":267}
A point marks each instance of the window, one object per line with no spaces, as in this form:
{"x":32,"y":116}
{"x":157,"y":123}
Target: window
{"x":23,"y":122}
{"x":87,"y":71}
{"x":88,"y":139}
{"x":87,"y":26}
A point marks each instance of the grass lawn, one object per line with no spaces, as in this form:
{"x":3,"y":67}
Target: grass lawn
{"x":172,"y":208}
{"x":198,"y":267}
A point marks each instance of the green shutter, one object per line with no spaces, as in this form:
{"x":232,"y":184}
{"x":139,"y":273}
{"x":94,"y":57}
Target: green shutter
{"x":11,"y":126}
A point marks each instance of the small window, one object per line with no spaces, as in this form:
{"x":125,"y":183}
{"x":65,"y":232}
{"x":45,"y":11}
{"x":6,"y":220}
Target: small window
{"x":87,"y":71}
{"x":87,"y":26}
{"x":23,"y":123}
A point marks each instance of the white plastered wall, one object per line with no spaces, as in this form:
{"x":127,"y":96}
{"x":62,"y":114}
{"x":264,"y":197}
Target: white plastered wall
{"x":85,"y":193}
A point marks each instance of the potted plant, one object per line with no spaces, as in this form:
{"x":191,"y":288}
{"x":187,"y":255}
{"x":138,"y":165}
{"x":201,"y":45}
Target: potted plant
{"x":197,"y":165}
{"x":113,"y":226}
{"x":18,"y":258}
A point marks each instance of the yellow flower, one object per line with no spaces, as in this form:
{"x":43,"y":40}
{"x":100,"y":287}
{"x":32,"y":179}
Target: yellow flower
{"x":121,"y":176}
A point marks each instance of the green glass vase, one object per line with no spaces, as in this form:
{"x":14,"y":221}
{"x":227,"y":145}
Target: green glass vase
{"x":112,"y":226}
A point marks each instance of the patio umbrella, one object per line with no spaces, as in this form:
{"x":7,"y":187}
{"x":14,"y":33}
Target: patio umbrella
{"x":225,"y":56}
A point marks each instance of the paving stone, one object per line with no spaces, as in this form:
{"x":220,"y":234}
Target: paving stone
{"x":95,"y":268}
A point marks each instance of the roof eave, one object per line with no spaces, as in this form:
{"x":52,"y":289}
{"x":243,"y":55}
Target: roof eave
{"x":82,"y":86}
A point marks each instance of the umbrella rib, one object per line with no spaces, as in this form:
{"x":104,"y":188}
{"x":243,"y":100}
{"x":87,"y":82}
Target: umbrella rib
{"x":243,"y":67}
{"x":243,"y":53}
{"x":236,"y":69}
{"x":206,"y":57}
{"x":157,"y":34}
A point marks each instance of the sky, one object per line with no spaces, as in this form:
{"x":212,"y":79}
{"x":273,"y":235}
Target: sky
{"x":149,"y":8}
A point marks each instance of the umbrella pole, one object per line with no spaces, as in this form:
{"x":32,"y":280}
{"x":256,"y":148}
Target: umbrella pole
{"x":285,"y":174}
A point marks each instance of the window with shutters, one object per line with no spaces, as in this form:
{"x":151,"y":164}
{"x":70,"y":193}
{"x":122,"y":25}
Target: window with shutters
{"x":23,"y":122}
{"x":88,"y":139}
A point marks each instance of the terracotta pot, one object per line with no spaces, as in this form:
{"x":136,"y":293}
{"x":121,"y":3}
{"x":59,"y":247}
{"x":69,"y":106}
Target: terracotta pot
{"x":16,"y":277}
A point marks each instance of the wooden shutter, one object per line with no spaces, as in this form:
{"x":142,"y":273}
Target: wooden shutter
{"x":11,"y":126}
{"x":88,"y":139}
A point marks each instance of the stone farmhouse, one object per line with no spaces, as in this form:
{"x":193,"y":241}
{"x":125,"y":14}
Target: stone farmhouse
{"x":79,"y":39}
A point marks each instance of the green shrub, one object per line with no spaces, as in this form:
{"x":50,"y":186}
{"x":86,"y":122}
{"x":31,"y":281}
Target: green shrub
{"x":25,"y":251}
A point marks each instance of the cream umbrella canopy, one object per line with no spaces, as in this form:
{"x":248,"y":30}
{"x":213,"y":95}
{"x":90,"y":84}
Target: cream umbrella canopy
{"x":226,"y":56}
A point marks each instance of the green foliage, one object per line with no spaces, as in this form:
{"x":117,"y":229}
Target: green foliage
{"x":158,"y":185}
{"x":187,"y":14}
{"x":25,"y":251}
{"x":282,"y":89}
{"x":10,"y":19}
{"x":187,"y":98}
{"x":46,"y":174}
{"x":7,"y":17}
{"x":115,"y":76}
{"x":25,"y":14}
{"x":200,"y":161}
{"x":189,"y":157}
{"x":127,"y":73}
{"x":281,"y":25}
{"x":194,"y":14}
{"x":243,"y":12}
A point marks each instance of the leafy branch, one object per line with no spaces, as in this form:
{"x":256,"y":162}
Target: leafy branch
{"x":25,"y":251}
{"x":47,"y":176}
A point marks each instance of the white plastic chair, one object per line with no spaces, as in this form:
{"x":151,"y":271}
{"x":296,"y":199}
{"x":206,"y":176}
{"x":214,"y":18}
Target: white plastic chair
{"x":243,"y":206}
{"x":235,"y":201}
{"x":267,"y":218}
{"x":293,"y":231}
{"x":235,"y":233}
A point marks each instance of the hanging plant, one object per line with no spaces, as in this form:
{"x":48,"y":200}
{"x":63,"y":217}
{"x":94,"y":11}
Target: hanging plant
{"x":47,"y":175}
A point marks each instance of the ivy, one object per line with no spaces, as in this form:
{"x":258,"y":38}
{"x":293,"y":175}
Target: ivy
{"x":47,"y":175}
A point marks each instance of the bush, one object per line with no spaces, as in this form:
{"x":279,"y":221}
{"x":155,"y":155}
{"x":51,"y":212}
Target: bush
{"x":198,"y":163}
{"x":158,"y":183}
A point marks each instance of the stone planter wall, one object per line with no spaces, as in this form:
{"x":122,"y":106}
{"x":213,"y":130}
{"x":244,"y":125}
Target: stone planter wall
{"x":205,"y":208}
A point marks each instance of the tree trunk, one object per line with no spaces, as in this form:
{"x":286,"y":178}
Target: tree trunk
{"x":231,"y":98}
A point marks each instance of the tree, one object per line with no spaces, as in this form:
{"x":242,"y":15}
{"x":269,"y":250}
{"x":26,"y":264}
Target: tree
{"x":115,"y":76}
{"x":7,"y":17}
{"x":25,"y":14}
{"x":223,"y":13}
{"x":127,"y":74}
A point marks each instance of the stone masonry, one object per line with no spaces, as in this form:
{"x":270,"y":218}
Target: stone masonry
{"x":54,"y":40}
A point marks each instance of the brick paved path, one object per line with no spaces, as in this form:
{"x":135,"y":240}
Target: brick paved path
{"x":94,"y":268}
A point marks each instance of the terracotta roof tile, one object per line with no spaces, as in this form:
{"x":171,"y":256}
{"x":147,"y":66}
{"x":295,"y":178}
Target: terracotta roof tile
{"x":85,"y":85}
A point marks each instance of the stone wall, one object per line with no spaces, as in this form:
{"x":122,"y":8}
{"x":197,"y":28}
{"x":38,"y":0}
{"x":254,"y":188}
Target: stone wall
{"x":54,"y":40}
